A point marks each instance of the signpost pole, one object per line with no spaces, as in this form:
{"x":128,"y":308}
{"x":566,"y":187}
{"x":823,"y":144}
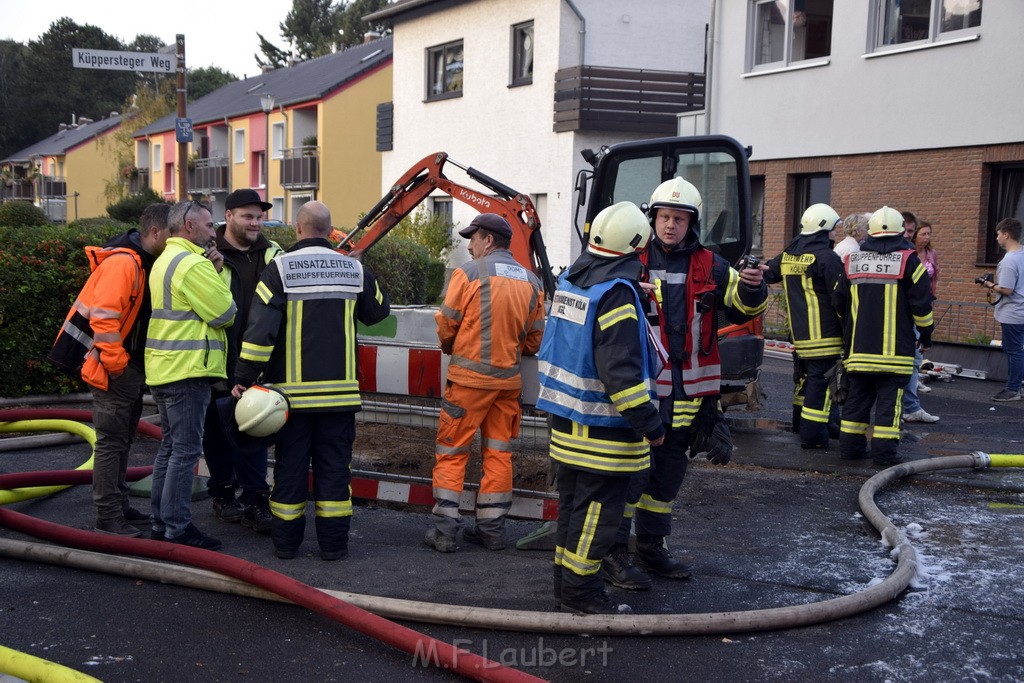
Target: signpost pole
{"x":182,"y":113}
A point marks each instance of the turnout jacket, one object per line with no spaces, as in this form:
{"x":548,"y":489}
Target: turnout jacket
{"x":883,"y":294}
{"x":105,"y":329}
{"x":241,"y":273}
{"x":691,"y":285}
{"x":302,"y":327}
{"x":493,"y":314}
{"x":191,"y":309}
{"x":809,"y":270}
{"x":597,"y":366}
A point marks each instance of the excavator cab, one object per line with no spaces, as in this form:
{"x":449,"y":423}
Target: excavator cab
{"x":717,"y":166}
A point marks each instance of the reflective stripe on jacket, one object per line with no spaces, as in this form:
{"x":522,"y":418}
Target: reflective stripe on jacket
{"x":191,"y":309}
{"x":101,"y":316}
{"x":493,"y":314}
{"x":302,"y":327}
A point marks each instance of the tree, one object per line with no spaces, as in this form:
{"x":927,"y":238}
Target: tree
{"x":311,"y":29}
{"x":12,"y":71}
{"x":352,"y":25}
{"x":275,"y":56}
{"x":146,"y":106}
{"x":206,"y":79}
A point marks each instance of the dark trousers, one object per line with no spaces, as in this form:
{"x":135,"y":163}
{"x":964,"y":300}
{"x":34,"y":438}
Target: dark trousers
{"x":325,"y":441}
{"x":652,"y":491}
{"x":590,"y":506}
{"x":243,"y":467}
{"x":115,"y":416}
{"x":817,"y":410}
{"x":884,"y":393}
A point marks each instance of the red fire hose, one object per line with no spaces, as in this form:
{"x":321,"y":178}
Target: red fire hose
{"x":395,"y":635}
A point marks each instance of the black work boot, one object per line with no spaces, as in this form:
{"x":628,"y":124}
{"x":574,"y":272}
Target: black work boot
{"x":653,"y":557}
{"x":256,"y":514}
{"x":595,"y":603}
{"x":225,"y":506}
{"x":617,"y":568}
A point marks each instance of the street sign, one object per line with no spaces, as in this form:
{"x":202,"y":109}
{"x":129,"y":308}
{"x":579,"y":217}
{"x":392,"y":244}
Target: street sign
{"x":183,"y":130}
{"x":112,"y":60}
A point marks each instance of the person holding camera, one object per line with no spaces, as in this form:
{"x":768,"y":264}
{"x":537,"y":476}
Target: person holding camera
{"x":686,"y":285}
{"x":809,"y":269}
{"x":1007,"y":295}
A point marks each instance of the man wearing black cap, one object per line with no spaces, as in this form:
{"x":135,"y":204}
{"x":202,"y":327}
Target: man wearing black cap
{"x":493,"y":313}
{"x":246,"y":253}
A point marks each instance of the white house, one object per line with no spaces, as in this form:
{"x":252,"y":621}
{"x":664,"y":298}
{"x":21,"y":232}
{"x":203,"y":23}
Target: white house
{"x":497,"y":84}
{"x":914,"y":104}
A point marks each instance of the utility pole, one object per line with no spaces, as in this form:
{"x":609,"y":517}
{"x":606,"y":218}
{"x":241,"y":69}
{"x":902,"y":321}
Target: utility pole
{"x":182,"y":113}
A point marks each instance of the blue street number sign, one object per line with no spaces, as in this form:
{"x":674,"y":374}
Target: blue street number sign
{"x":183,"y":130}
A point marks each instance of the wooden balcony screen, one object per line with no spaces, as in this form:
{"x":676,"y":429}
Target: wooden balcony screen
{"x":599,"y":98}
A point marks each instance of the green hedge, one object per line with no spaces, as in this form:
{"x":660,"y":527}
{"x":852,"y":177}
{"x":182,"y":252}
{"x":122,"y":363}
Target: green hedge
{"x":42,"y":270}
{"x":406,"y":271}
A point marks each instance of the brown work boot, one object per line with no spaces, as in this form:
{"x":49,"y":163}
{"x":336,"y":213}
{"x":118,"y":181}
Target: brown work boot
{"x":439,"y":541}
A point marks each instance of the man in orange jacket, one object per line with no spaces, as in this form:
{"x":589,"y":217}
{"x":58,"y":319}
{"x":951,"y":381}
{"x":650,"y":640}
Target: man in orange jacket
{"x":493,"y":314}
{"x":113,"y":309}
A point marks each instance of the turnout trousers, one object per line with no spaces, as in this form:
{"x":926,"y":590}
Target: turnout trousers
{"x":884,"y":392}
{"x":590,"y":507}
{"x":464,"y":410}
{"x":652,"y":491}
{"x":323,"y":439}
{"x":816,"y":412}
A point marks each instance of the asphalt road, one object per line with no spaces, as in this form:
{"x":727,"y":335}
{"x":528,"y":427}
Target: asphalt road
{"x":779,"y":526}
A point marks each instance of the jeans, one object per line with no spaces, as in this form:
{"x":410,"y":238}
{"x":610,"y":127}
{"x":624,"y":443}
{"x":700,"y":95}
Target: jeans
{"x":911,"y":402}
{"x":115,"y":415}
{"x":1013,"y":344}
{"x":182,"y":407}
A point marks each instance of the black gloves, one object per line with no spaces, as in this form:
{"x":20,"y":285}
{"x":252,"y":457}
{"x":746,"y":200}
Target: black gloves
{"x":711,"y":436}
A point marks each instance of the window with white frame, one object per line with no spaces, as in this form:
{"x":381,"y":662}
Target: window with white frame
{"x":158,"y":157}
{"x":912,"y":21}
{"x":785,"y":31}
{"x":239,"y":146}
{"x":276,"y":140}
{"x":522,"y":54}
{"x":444,"y":71}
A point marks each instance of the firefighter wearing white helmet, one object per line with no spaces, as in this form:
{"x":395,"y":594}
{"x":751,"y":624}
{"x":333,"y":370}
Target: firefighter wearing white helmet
{"x":893,"y":294}
{"x":596,"y":337}
{"x":809,"y":269}
{"x":689,"y":285}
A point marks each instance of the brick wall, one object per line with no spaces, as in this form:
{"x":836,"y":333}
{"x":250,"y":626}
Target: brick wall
{"x":948,"y":187}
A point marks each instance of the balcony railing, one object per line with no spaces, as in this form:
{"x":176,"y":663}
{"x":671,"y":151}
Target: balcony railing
{"x":20,"y":188}
{"x":209,"y":175}
{"x":138,"y":182}
{"x":300,"y":168}
{"x":53,"y":186}
{"x":599,"y":98}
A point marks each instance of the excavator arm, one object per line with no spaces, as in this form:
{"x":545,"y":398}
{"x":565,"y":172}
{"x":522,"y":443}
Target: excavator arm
{"x":426,"y":177}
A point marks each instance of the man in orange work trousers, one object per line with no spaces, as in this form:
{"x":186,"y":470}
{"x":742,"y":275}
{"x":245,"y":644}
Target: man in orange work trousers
{"x":493,"y":314}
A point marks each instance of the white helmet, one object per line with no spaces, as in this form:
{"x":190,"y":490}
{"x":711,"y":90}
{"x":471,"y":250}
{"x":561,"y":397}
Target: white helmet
{"x":818,"y":218}
{"x":618,"y":230}
{"x":261,"y":411}
{"x":676,"y":194}
{"x":885,"y":222}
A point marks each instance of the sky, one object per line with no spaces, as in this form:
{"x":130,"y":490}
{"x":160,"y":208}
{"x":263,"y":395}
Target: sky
{"x":218,"y":33}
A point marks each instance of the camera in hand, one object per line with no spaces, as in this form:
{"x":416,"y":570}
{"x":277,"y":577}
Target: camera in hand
{"x":987,"y":277}
{"x":748,"y":261}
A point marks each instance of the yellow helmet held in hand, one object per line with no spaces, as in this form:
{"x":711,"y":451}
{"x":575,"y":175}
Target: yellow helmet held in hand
{"x":676,"y":194}
{"x":261,"y":411}
{"x":885,"y":222}
{"x":818,"y":218}
{"x":618,"y":230}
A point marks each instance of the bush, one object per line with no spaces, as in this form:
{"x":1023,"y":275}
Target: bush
{"x":42,"y":270}
{"x":130,"y":209}
{"x":19,"y":213}
{"x":405,"y":271}
{"x":430,"y":230}
{"x":284,"y":235}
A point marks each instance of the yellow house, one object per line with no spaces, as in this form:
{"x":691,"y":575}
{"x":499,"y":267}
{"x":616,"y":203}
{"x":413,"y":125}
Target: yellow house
{"x":65,"y":174}
{"x":295,"y":134}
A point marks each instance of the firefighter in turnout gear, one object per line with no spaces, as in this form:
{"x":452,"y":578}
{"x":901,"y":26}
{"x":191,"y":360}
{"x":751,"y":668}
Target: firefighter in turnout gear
{"x":809,"y":270}
{"x":302,"y":339}
{"x":884,"y":293}
{"x":493,"y":314}
{"x":688,"y":285}
{"x":598,"y":365}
